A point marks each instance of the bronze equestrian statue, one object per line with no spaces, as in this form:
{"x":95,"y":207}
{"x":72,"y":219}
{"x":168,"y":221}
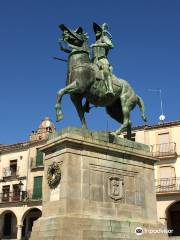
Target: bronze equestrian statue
{"x":93,"y":79}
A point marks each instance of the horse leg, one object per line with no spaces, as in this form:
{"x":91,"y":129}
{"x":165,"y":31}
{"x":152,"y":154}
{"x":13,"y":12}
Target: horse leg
{"x":77,"y":100}
{"x":126,"y":121}
{"x":68,"y":89}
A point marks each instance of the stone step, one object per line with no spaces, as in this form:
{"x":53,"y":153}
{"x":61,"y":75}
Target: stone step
{"x":54,"y":228}
{"x":90,"y":234}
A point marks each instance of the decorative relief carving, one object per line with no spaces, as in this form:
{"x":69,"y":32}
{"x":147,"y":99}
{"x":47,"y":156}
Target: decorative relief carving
{"x":53,"y":175}
{"x":115,"y":187}
{"x":116,"y":178}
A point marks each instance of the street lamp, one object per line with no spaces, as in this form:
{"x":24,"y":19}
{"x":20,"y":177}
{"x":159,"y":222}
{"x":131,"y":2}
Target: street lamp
{"x":20,"y":184}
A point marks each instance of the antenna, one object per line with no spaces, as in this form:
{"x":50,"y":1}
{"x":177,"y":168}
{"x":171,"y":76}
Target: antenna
{"x":162,"y":116}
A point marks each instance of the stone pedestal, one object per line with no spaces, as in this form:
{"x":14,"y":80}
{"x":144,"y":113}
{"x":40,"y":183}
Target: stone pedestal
{"x":105,"y":192}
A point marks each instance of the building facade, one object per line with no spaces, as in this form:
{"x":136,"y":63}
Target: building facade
{"x":21,"y":176}
{"x":164,"y":140}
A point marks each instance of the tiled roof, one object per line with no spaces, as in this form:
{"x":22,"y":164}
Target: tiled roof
{"x":160,"y":125}
{"x":19,"y":146}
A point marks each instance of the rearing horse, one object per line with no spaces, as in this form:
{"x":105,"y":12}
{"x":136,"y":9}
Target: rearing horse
{"x":85,"y":81}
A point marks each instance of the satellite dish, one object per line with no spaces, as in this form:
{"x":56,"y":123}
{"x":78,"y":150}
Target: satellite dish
{"x":162,"y":118}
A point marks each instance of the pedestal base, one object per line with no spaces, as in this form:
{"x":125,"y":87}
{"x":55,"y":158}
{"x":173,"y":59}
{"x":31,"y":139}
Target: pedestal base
{"x":75,"y":228}
{"x":106,"y":189}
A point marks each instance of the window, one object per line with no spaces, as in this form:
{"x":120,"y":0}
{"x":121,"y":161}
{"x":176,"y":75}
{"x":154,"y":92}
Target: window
{"x":13,"y":167}
{"x":164,"y":145}
{"x":39,"y":158}
{"x":167,"y":178}
{"x":49,"y":129}
{"x":167,"y":172}
{"x":163,"y":138}
{"x":16,"y":192}
{"x":37,"y":188}
{"x":5,"y":193}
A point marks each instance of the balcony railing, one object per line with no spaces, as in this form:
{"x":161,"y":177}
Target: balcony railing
{"x":168,"y":185}
{"x":164,"y":150}
{"x":16,"y":196}
{"x":10,"y":173}
{"x":34,"y":196}
{"x":19,"y":196}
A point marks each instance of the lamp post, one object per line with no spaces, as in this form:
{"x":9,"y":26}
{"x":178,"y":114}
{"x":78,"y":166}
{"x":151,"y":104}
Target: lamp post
{"x":20,"y":185}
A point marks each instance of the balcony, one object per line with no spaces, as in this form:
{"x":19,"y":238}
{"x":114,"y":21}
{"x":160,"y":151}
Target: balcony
{"x":165,"y":185}
{"x":34,"y":196}
{"x":10,"y":197}
{"x":9,"y":173}
{"x":165,"y":150}
{"x":19,"y":196}
{"x":36,"y":165}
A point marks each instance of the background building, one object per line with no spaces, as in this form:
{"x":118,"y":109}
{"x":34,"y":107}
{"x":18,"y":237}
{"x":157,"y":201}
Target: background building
{"x":21,"y":176}
{"x":164,"y":140}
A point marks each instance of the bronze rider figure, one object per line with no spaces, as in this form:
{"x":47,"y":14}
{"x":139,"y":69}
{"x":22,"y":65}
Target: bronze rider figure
{"x":100,"y":51}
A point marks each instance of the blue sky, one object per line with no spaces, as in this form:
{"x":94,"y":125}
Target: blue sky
{"x":146,"y":35}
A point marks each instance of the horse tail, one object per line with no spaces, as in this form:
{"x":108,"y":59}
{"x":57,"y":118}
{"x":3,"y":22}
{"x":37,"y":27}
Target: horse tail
{"x":140,"y":103}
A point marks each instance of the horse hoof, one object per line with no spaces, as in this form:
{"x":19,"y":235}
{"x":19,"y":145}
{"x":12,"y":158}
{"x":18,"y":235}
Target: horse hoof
{"x":59,"y":117}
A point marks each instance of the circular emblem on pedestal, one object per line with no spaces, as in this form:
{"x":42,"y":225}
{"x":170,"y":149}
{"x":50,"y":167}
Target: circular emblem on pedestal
{"x":53,"y":175}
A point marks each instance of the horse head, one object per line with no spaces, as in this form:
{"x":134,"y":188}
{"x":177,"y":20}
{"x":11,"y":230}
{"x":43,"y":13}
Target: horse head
{"x":75,"y":39}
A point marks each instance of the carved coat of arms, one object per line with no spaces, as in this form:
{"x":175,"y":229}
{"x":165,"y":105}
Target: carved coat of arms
{"x":115,"y":187}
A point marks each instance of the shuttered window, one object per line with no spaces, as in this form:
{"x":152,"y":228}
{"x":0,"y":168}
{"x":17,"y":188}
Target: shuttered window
{"x":163,"y":138}
{"x":167,"y":178}
{"x":167,"y":172}
{"x":37,"y":188}
{"x":164,"y":145}
{"x":39,"y":158}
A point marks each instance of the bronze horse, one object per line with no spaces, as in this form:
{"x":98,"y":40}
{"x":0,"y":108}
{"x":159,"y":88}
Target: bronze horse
{"x":84,"y":81}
